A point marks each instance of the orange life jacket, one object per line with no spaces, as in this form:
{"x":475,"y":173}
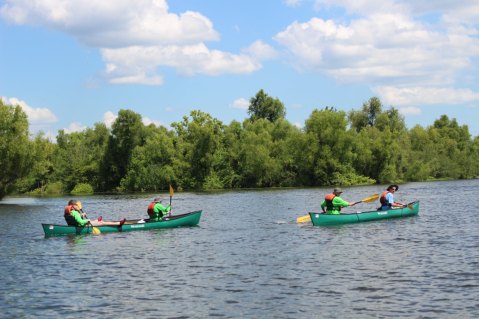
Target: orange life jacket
{"x":67,"y":213}
{"x":382,"y":199}
{"x":150,"y":210}
{"x":68,"y":210}
{"x":329,"y":202}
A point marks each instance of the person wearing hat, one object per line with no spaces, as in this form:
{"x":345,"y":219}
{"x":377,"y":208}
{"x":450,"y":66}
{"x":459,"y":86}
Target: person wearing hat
{"x":156,"y":210}
{"x":333,"y":203}
{"x":74,"y":216}
{"x":387,"y":198}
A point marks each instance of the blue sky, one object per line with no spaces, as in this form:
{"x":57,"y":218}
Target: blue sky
{"x":74,"y":63}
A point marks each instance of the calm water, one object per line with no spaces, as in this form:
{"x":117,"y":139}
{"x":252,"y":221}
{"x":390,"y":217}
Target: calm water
{"x":247,"y":259}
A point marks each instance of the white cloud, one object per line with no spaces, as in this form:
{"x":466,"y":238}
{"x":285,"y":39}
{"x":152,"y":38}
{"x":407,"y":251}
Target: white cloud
{"x":386,"y":48}
{"x":383,"y":45}
{"x":240,"y":103}
{"x":130,"y":64}
{"x":136,"y":38}
{"x":36,"y":116}
{"x":261,"y":51}
{"x":408,"y":96}
{"x":109,"y":24}
{"x":147,"y":121}
{"x":109,"y":118}
{"x":74,"y":127}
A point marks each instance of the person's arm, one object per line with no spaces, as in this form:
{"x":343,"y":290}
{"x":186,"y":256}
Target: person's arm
{"x":338,"y":201}
{"x":390,"y":200}
{"x":323,"y":205}
{"x":159,"y":207}
{"x":78,"y":218}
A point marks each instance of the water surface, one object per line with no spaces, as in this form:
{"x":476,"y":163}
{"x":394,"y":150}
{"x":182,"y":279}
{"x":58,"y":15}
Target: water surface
{"x":248,"y":258}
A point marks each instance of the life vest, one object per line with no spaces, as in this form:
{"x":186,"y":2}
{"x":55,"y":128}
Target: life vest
{"x":67,"y":213}
{"x":383,"y":200}
{"x":150,"y":210}
{"x":329,"y":202}
{"x":68,"y":210}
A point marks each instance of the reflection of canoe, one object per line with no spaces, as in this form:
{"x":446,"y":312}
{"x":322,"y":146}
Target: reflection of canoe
{"x":320,"y":219}
{"x":188,"y":219}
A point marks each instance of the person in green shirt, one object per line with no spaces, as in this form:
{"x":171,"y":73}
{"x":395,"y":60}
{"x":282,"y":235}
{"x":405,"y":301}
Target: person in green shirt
{"x":74,"y":216}
{"x":333,"y":203}
{"x":157,"y":211}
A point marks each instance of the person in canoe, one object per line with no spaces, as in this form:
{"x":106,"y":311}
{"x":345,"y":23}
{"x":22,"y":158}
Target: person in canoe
{"x":156,"y":210}
{"x":387,"y":199}
{"x":74,"y":216}
{"x":333,"y":203}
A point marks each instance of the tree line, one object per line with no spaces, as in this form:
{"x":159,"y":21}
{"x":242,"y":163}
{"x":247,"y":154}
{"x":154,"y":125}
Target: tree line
{"x":365,"y":146}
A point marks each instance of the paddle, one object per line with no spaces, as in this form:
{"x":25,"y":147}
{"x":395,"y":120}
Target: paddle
{"x":94,"y":229}
{"x":171,"y":196}
{"x":369,"y":199}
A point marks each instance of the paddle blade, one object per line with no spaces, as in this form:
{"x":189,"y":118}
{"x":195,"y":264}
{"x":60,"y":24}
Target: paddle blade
{"x":371,"y":198}
{"x":171,"y":191}
{"x":96,"y":231}
{"x":303,"y":219}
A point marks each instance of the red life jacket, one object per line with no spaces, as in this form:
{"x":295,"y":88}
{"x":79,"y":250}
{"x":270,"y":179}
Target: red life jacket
{"x":150,"y":210}
{"x":382,"y":199}
{"x":67,"y":213}
{"x":329,"y":202}
{"x":68,"y":210}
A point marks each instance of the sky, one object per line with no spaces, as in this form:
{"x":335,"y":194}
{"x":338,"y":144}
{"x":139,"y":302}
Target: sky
{"x":71,"y":64}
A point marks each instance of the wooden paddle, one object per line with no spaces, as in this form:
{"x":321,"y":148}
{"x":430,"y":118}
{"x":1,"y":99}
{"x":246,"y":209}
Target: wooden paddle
{"x":94,"y":229}
{"x":369,"y":199}
{"x":171,"y":196}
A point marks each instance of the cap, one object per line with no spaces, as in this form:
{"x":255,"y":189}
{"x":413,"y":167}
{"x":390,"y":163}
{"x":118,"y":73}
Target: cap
{"x":338,"y":190}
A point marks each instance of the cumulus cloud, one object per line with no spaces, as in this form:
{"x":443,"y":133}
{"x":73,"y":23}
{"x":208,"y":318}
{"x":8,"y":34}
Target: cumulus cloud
{"x":125,"y":63}
{"x":74,"y":127}
{"x":109,"y":118}
{"x":382,"y":44}
{"x":408,"y":96}
{"x":116,"y":23}
{"x":36,"y":116}
{"x":137,"y":38}
{"x":147,"y":121}
{"x":240,"y":103}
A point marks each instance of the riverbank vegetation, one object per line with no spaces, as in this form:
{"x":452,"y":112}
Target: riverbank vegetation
{"x":365,"y":146}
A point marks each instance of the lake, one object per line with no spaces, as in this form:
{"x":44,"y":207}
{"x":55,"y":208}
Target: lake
{"x":248,"y":258}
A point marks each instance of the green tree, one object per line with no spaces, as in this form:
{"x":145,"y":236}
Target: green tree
{"x":331,"y":148}
{"x":127,"y":132}
{"x":42,"y":152}
{"x":15,"y":158}
{"x":200,"y":150}
{"x":262,"y":106}
{"x":367,"y":116}
{"x":151,"y":166}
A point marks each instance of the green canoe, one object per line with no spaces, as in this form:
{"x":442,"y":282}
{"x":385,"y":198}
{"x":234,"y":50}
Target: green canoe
{"x":188,"y":219}
{"x":321,"y":219}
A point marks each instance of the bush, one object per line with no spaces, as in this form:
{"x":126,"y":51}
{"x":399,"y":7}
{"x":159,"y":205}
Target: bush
{"x":82,"y":189}
{"x":55,"y":188}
